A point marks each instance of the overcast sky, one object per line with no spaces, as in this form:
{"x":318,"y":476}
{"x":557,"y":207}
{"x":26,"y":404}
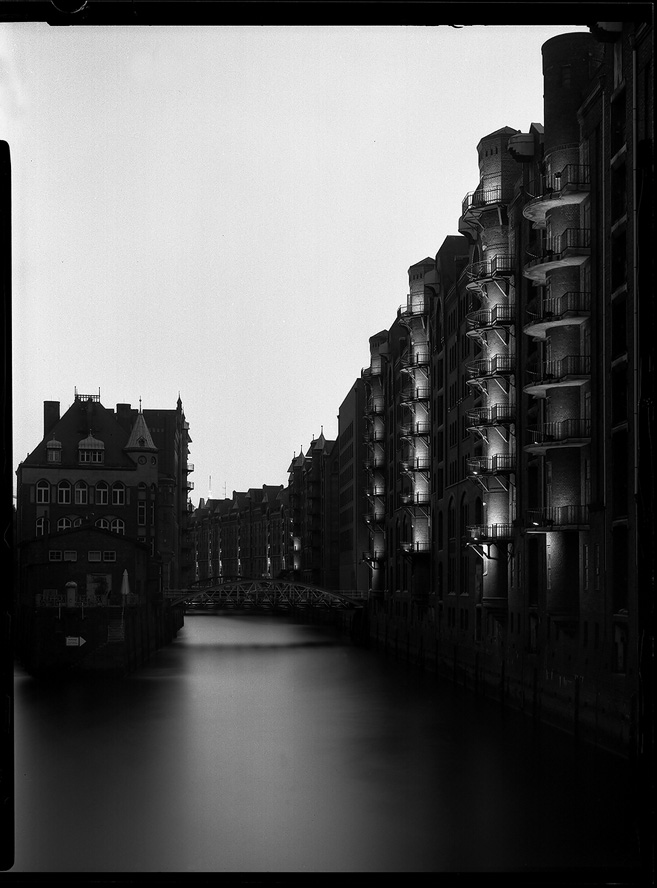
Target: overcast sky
{"x":230,"y":213}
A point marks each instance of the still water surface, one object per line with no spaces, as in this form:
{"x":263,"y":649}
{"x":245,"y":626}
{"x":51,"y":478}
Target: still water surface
{"x":255,"y":744}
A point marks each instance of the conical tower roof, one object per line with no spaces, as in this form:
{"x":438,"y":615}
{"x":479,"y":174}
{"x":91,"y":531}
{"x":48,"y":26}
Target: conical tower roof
{"x":140,"y":436}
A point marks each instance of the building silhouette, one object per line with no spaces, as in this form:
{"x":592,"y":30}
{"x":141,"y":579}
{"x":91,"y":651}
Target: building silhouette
{"x":101,"y":521}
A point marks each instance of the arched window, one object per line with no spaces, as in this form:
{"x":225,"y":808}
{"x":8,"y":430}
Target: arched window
{"x":42,"y":492}
{"x":64,"y":524}
{"x":64,"y":493}
{"x":118,"y":494}
{"x":81,"y":493}
{"x":465,"y":516}
{"x":77,"y":522}
{"x":42,"y":526}
{"x":451,"y":520}
{"x":103,"y":523}
{"x":102,"y":493}
{"x":118,"y":526}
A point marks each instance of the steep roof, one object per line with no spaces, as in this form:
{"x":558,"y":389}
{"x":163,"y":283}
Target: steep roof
{"x":140,"y":436}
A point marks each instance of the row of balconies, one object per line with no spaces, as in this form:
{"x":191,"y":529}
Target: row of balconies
{"x":546,"y":519}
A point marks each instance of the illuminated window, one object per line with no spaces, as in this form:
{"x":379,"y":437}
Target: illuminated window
{"x":64,"y":524}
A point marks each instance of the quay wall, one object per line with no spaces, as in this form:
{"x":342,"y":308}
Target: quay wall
{"x":56,"y":640}
{"x":596,"y":714}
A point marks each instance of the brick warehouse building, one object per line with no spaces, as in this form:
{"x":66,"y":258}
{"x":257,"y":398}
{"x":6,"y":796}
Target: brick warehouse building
{"x":103,"y":493}
{"x":523,"y":363}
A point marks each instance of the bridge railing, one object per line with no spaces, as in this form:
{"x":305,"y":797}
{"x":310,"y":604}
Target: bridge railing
{"x":263,"y":593}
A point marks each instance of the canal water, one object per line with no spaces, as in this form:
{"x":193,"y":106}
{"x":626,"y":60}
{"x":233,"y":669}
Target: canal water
{"x":257,"y":744}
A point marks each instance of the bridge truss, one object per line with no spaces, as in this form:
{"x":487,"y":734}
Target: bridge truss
{"x":250,"y":594}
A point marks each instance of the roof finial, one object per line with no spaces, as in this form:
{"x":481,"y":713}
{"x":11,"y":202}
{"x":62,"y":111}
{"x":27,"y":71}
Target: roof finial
{"x":140,"y":405}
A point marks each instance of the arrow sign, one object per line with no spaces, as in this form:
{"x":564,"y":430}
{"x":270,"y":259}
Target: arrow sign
{"x":74,"y":641}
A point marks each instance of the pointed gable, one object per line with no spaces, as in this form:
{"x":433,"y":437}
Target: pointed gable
{"x":140,"y":436}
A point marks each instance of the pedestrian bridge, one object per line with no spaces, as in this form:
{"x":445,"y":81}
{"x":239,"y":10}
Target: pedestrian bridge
{"x":261,"y":594}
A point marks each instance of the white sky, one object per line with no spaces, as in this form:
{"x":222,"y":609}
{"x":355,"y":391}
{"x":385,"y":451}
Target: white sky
{"x":230,"y":213}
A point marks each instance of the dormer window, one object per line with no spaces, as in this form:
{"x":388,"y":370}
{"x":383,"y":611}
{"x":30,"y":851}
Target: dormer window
{"x":91,"y":450}
{"x":54,"y":451}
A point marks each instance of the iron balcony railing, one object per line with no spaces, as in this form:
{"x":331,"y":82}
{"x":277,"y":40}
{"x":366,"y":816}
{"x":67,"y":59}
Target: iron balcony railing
{"x":376,"y":408}
{"x":374,"y":436}
{"x":491,"y":465}
{"x":375,"y":462}
{"x":417,"y":546}
{"x":486,"y":416}
{"x":553,"y":371}
{"x":375,"y":490}
{"x":418,"y":393}
{"x":375,"y":555}
{"x":500,"y":365}
{"x":412,"y":308}
{"x":566,"y":429}
{"x":489,"y":532}
{"x":498,"y":265}
{"x":553,"y":247}
{"x":416,"y":464}
{"x":421,"y":427}
{"x":189,"y":467}
{"x":490,"y":317}
{"x":416,"y":499}
{"x":483,"y":197}
{"x":574,"y":176}
{"x":371,"y":371}
{"x":559,"y":306}
{"x":558,"y":516}
{"x":415,"y":359}
{"x":375,"y":518}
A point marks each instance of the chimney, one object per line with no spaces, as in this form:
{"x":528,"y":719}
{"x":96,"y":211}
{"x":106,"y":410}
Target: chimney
{"x":50,"y":416}
{"x":123,"y":416}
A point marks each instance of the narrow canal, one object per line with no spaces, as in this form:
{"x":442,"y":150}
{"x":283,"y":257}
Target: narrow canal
{"x":256,"y":744}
